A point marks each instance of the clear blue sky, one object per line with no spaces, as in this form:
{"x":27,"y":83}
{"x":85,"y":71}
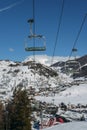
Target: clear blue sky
{"x":14,"y":27}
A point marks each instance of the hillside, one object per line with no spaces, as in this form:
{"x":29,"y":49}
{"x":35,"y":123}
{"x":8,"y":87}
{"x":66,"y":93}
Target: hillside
{"x":48,"y":86}
{"x":24,"y":74}
{"x":37,"y":75}
{"x":75,"y":67}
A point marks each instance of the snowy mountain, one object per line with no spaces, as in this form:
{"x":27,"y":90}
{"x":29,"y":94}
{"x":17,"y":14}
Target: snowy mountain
{"x":25,"y":74}
{"x":38,"y":75}
{"x":46,"y":83}
{"x":77,"y":67}
{"x":46,"y":60}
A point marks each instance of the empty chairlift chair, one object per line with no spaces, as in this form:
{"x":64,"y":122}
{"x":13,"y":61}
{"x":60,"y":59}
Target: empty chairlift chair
{"x":40,"y":38}
{"x":72,"y":66}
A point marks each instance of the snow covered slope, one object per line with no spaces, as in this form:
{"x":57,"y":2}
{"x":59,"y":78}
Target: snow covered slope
{"x":29,"y":73}
{"x":70,"y":126}
{"x":37,"y":75}
{"x":73,"y":95}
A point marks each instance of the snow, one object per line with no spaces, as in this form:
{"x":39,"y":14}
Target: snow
{"x":74,"y":95}
{"x":8,"y":79}
{"x":46,"y":60}
{"x":69,"y":126}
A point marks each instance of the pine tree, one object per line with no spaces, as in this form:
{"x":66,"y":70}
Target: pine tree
{"x":19,"y":111}
{"x":2,"y":123}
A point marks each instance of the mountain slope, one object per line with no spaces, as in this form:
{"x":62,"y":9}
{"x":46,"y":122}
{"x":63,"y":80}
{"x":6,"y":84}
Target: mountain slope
{"x":36,"y":75}
{"x":24,"y":74}
{"x":75,"y":67}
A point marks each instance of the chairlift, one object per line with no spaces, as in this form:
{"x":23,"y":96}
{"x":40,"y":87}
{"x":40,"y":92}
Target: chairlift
{"x":72,"y":66}
{"x":37,"y":48}
{"x":32,"y":36}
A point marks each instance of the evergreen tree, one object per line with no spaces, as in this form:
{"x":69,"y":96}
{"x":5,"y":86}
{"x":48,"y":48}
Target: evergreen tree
{"x":19,"y":111}
{"x":2,"y":123}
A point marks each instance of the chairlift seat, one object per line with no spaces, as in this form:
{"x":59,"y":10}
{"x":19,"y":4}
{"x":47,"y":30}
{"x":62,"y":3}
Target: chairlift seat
{"x":35,"y":48}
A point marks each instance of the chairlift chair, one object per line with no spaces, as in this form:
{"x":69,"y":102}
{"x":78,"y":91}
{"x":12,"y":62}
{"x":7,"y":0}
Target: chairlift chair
{"x":36,"y":37}
{"x":72,"y":66}
{"x":37,"y":48}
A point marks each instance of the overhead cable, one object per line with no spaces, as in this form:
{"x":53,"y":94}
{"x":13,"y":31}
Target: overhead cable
{"x":58,"y":30}
{"x":78,"y":34}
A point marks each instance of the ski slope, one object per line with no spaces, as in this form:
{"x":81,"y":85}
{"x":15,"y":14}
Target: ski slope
{"x":69,"y":126}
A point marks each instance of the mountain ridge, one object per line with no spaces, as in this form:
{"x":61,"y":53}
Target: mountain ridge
{"x":29,"y":73}
{"x":77,"y":65}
